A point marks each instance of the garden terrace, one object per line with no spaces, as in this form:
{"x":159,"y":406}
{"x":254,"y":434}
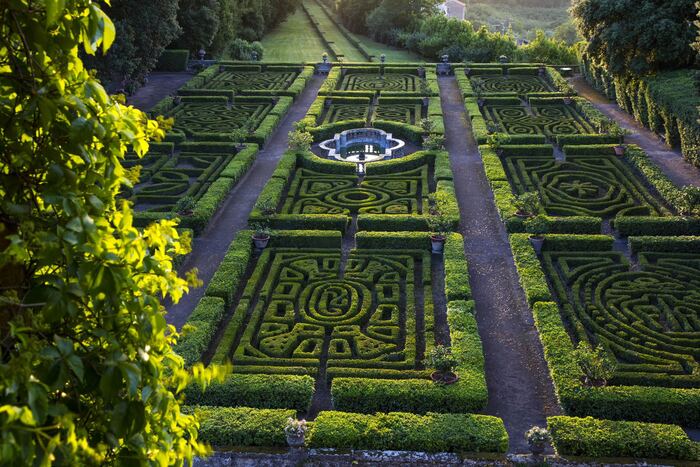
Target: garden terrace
{"x":644,"y":310}
{"x":595,"y":185}
{"x":249,"y":79}
{"x":511,"y":80}
{"x":369,"y":80}
{"x":364,"y":318}
{"x":203,"y":176}
{"x":548,"y":117}
{"x":216,"y":118}
{"x":309,"y":192}
{"x":401,"y":116}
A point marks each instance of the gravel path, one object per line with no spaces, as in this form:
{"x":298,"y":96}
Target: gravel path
{"x":210,"y":247}
{"x":669,"y":160}
{"x":520,"y":389}
{"x":159,"y":85}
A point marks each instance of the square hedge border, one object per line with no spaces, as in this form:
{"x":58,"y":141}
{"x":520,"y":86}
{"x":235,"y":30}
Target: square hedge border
{"x":274,"y":193}
{"x":638,"y":403}
{"x":217,"y":315}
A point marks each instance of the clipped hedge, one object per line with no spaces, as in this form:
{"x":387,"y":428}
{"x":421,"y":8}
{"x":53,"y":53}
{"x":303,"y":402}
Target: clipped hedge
{"x":173,"y":60}
{"x":201,"y":327}
{"x":532,"y":278}
{"x":409,"y":432}
{"x":607,"y":438}
{"x":229,"y":276}
{"x":650,"y":226}
{"x":243,"y":426}
{"x":666,"y":244}
{"x":254,"y":390}
{"x":366,"y":395}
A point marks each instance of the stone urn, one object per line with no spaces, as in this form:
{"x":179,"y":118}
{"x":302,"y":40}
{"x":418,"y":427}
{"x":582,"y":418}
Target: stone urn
{"x":437,"y":243}
{"x":261,"y":240}
{"x":296,"y":441}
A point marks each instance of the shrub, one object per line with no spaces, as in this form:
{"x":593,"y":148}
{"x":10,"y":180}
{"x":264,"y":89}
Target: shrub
{"x":173,"y":60}
{"x":240,"y":49}
{"x":606,"y":438}
{"x":243,"y":426}
{"x":409,"y":432}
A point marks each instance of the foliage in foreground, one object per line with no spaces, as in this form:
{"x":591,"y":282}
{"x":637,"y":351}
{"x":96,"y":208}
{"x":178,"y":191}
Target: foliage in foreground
{"x":87,"y":375}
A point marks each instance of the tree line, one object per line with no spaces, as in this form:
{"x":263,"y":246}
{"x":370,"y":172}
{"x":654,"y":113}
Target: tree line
{"x":145,"y":29}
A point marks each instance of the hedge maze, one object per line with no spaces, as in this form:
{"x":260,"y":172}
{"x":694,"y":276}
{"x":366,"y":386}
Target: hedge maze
{"x":582,"y":185}
{"x":396,"y":82}
{"x":253,"y":80}
{"x":402,"y":112}
{"x":515,"y":84}
{"x":345,"y":109}
{"x":202,"y":118}
{"x":166,"y":179}
{"x":312,"y":307}
{"x":646,"y":314}
{"x":548,"y":120}
{"x":314,"y":192}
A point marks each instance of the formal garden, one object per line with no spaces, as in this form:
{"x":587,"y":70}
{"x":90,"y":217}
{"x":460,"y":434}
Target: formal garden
{"x":401,"y":239}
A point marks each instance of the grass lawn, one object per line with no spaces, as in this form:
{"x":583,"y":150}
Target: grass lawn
{"x":333,"y":34}
{"x":293,"y":41}
{"x":392,"y":54}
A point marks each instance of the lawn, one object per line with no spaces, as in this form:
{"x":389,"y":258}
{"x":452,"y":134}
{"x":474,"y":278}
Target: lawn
{"x":294,"y":41}
{"x":333,"y":34}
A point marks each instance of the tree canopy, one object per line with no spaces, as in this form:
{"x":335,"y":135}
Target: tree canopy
{"x":637,"y":36}
{"x":87,"y":371}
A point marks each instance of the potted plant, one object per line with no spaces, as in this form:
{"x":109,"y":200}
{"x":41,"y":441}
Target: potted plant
{"x":185,"y":206}
{"x":438,"y":221}
{"x":569,"y":97}
{"x":239,"y":136}
{"x":427,"y":125}
{"x":596,"y":365}
{"x":261,"y":235}
{"x":441,"y":359}
{"x":527,"y":204}
{"x":300,"y":140}
{"x":537,"y":227}
{"x":616,"y":130}
{"x":537,"y":438}
{"x":477,"y":86}
{"x":496,"y":141}
{"x":434,"y":142}
{"x":295,"y":431}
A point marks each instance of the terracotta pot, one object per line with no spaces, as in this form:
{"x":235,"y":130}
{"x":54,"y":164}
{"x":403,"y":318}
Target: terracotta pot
{"x":261,"y":241}
{"x":523,"y":215}
{"x":537,"y":243}
{"x":437,"y":243}
{"x":536,"y":449}
{"x":620,"y":150}
{"x":295,"y":441}
{"x":444,"y":378}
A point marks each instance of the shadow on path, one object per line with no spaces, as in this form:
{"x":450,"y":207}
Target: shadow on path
{"x":210,"y":247}
{"x":669,"y":160}
{"x":160,"y":85}
{"x":520,"y":389}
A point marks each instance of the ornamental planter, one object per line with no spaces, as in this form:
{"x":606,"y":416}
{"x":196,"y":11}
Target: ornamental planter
{"x":523,"y":215}
{"x":536,"y":449}
{"x":444,"y":378}
{"x":620,"y":150}
{"x":261,"y":241}
{"x":295,"y":441}
{"x":537,"y":243}
{"x":437,"y":243}
{"x":568,"y":100}
{"x":481,"y":101}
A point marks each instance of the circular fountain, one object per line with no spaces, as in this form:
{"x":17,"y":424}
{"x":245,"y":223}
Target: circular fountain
{"x":363,"y":145}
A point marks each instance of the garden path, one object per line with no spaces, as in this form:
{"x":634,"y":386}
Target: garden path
{"x":669,"y":160}
{"x":160,"y":85}
{"x":520,"y":389}
{"x":209,"y":248}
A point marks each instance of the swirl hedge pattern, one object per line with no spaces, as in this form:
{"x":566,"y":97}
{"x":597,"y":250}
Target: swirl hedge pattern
{"x":647,"y":314}
{"x":193,"y":118}
{"x":395,"y":82}
{"x":322,"y":193}
{"x":166,"y":179}
{"x":599,"y":186}
{"x":252,"y":80}
{"x":306,"y":306}
{"x":520,"y":85}
{"x":549,"y":120}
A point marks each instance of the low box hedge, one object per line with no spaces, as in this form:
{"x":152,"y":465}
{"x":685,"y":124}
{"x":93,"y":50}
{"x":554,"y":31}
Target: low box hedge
{"x":409,"y":432}
{"x":200,"y":329}
{"x":256,"y":390}
{"x":242,"y":426}
{"x":173,"y":60}
{"x":652,"y":226}
{"x":229,"y":276}
{"x":666,"y":244}
{"x":591,"y":437}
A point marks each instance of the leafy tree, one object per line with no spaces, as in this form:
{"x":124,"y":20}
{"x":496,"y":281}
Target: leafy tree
{"x":135,"y":53}
{"x":546,"y":50}
{"x":199,"y":20}
{"x":353,"y":13}
{"x":567,"y":32}
{"x":87,"y":375}
{"x":392,"y":15}
{"x":637,"y":36}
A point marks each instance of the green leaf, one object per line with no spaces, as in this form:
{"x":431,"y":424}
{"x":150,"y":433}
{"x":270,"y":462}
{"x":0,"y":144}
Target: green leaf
{"x":54,"y":8}
{"x":38,"y":402}
{"x":111,"y":382}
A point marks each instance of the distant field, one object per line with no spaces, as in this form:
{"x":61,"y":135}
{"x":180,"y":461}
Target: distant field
{"x":296,"y":41}
{"x":293,"y":41}
{"x":525,"y":20}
